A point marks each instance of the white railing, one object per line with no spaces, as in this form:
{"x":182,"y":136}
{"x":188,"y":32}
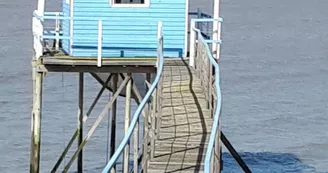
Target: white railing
{"x":203,"y":60}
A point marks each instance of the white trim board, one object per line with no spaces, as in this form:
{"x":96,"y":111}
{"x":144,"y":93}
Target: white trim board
{"x":186,"y":29}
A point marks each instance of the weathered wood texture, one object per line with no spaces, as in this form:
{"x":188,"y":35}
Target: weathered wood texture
{"x":185,"y":123}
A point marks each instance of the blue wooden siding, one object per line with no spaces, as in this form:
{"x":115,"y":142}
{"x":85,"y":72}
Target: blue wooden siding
{"x":66,"y":27}
{"x":129,"y":32}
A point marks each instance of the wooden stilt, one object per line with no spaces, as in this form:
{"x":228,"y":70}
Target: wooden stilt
{"x":158,"y":108}
{"x":80,"y":123}
{"x":217,"y":153}
{"x":36,"y":122}
{"x":138,"y":98}
{"x":153,"y":124}
{"x":113,"y":122}
{"x":145,"y":157}
{"x":95,"y":125}
{"x":127,"y":123}
{"x":62,"y":156}
{"x":136,"y":143}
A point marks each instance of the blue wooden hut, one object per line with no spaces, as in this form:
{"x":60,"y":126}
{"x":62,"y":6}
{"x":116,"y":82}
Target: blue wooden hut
{"x":129,"y":27}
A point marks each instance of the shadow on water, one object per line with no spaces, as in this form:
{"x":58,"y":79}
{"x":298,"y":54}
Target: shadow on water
{"x":264,"y":162}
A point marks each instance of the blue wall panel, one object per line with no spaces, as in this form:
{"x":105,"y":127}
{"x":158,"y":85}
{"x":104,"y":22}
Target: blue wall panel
{"x":129,"y":32}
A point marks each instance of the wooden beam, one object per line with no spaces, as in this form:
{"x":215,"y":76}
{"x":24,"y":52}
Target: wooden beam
{"x":234,"y":153}
{"x":76,"y":61}
{"x":95,"y":69}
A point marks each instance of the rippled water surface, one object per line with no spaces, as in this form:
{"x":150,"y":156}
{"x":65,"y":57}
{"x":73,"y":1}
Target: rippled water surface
{"x":274,"y":81}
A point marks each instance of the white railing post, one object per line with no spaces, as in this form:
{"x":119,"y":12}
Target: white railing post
{"x":216,"y":23}
{"x":37,"y":29}
{"x":218,"y":45}
{"x":99,"y":43}
{"x":57,"y":30}
{"x":40,"y":8}
{"x":192,"y":43}
{"x":160,"y":40}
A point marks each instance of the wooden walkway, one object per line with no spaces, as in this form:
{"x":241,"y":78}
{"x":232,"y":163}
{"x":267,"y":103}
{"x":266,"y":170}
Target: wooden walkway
{"x":185,"y":125}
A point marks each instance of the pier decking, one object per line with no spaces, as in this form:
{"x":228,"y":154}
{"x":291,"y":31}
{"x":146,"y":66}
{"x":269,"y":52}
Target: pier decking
{"x":185,"y":123}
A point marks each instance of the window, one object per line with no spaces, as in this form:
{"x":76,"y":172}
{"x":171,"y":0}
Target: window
{"x":130,"y":3}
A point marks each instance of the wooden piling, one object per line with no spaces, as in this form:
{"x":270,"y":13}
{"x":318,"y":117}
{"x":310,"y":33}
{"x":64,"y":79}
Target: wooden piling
{"x":113,"y":122}
{"x":135,"y":148}
{"x":36,"y":122}
{"x":153,"y":123}
{"x":80,"y":123}
{"x":145,"y":158}
{"x":127,"y":123}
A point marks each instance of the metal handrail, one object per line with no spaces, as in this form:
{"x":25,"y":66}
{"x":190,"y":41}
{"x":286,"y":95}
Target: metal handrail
{"x":215,"y":126}
{"x":136,"y":116}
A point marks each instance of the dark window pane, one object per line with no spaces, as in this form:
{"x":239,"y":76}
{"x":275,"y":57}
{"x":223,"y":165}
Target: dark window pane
{"x":129,"y":1}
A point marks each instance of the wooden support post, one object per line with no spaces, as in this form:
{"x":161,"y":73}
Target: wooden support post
{"x":210,"y":85}
{"x":135,"y":148}
{"x":62,"y":156}
{"x":217,"y":153}
{"x":159,"y":108}
{"x":153,"y":124}
{"x":80,"y":123}
{"x":36,"y":122}
{"x":127,"y":123}
{"x":145,"y":157}
{"x":199,"y":16}
{"x":113,"y":123}
{"x":96,"y":124}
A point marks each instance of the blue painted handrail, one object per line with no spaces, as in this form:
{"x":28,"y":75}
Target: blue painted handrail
{"x":217,"y":113}
{"x":137,"y":114}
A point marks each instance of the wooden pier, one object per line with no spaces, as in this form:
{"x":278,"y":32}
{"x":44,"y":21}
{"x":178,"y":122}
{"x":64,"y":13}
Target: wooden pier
{"x":179,"y":97}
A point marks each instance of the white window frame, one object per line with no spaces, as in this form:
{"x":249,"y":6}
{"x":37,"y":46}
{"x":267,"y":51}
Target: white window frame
{"x":144,"y":5}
